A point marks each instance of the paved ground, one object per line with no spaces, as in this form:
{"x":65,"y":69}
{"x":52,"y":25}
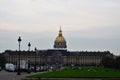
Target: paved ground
{"x":12,"y":75}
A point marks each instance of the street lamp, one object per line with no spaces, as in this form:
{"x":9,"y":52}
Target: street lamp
{"x":35,"y":58}
{"x":29,"y":46}
{"x":18,"y":72}
{"x":29,"y":55}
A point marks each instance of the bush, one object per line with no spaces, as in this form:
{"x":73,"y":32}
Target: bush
{"x":110,"y":62}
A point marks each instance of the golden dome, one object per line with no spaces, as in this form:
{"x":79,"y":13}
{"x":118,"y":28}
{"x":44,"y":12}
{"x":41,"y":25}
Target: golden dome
{"x":60,"y":38}
{"x":60,"y":41}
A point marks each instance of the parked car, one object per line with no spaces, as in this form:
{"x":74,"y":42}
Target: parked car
{"x":37,"y":69}
{"x":9,"y":67}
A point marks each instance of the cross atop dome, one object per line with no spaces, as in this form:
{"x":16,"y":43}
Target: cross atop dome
{"x":60,"y":28}
{"x":60,"y":32}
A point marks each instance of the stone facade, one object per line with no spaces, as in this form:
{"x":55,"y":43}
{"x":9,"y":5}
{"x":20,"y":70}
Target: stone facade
{"x":61,"y":57}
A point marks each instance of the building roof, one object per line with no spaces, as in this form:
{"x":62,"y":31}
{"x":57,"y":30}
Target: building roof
{"x":85,"y":53}
{"x":62,"y":52}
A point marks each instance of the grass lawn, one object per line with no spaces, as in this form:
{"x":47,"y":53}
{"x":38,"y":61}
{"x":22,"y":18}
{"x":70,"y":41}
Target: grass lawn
{"x":83,"y":73}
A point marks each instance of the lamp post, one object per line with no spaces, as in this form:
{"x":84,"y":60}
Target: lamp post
{"x":18,"y":72}
{"x":29,"y":45}
{"x":35,"y":58}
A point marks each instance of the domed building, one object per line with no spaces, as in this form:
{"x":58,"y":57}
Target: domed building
{"x":58,"y":56}
{"x":60,"y":42}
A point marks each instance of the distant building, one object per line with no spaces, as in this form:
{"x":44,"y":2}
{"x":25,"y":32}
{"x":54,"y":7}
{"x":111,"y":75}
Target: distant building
{"x":58,"y":56}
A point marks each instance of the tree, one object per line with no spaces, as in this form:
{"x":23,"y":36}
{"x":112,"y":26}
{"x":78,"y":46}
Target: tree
{"x":2,"y":60}
{"x":108,"y":62}
{"x":117,"y":60}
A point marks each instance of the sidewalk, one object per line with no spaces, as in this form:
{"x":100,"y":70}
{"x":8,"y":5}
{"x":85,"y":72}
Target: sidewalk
{"x":13,"y":75}
{"x":20,"y":77}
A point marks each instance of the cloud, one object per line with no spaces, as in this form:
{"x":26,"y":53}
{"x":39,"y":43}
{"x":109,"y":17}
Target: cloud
{"x":44,"y":15}
{"x":108,"y":32}
{"x":79,"y":18}
{"x":65,"y":12}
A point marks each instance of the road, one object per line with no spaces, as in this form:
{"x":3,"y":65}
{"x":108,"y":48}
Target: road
{"x":12,"y":75}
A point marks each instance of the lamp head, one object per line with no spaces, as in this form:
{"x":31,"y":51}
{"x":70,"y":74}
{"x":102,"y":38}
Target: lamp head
{"x":19,"y":39}
{"x":29,"y":44}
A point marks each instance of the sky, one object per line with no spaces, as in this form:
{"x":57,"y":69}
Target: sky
{"x":87,"y":25}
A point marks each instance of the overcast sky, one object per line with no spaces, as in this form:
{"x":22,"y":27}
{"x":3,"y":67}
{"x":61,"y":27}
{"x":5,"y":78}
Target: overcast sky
{"x":90,"y":25}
